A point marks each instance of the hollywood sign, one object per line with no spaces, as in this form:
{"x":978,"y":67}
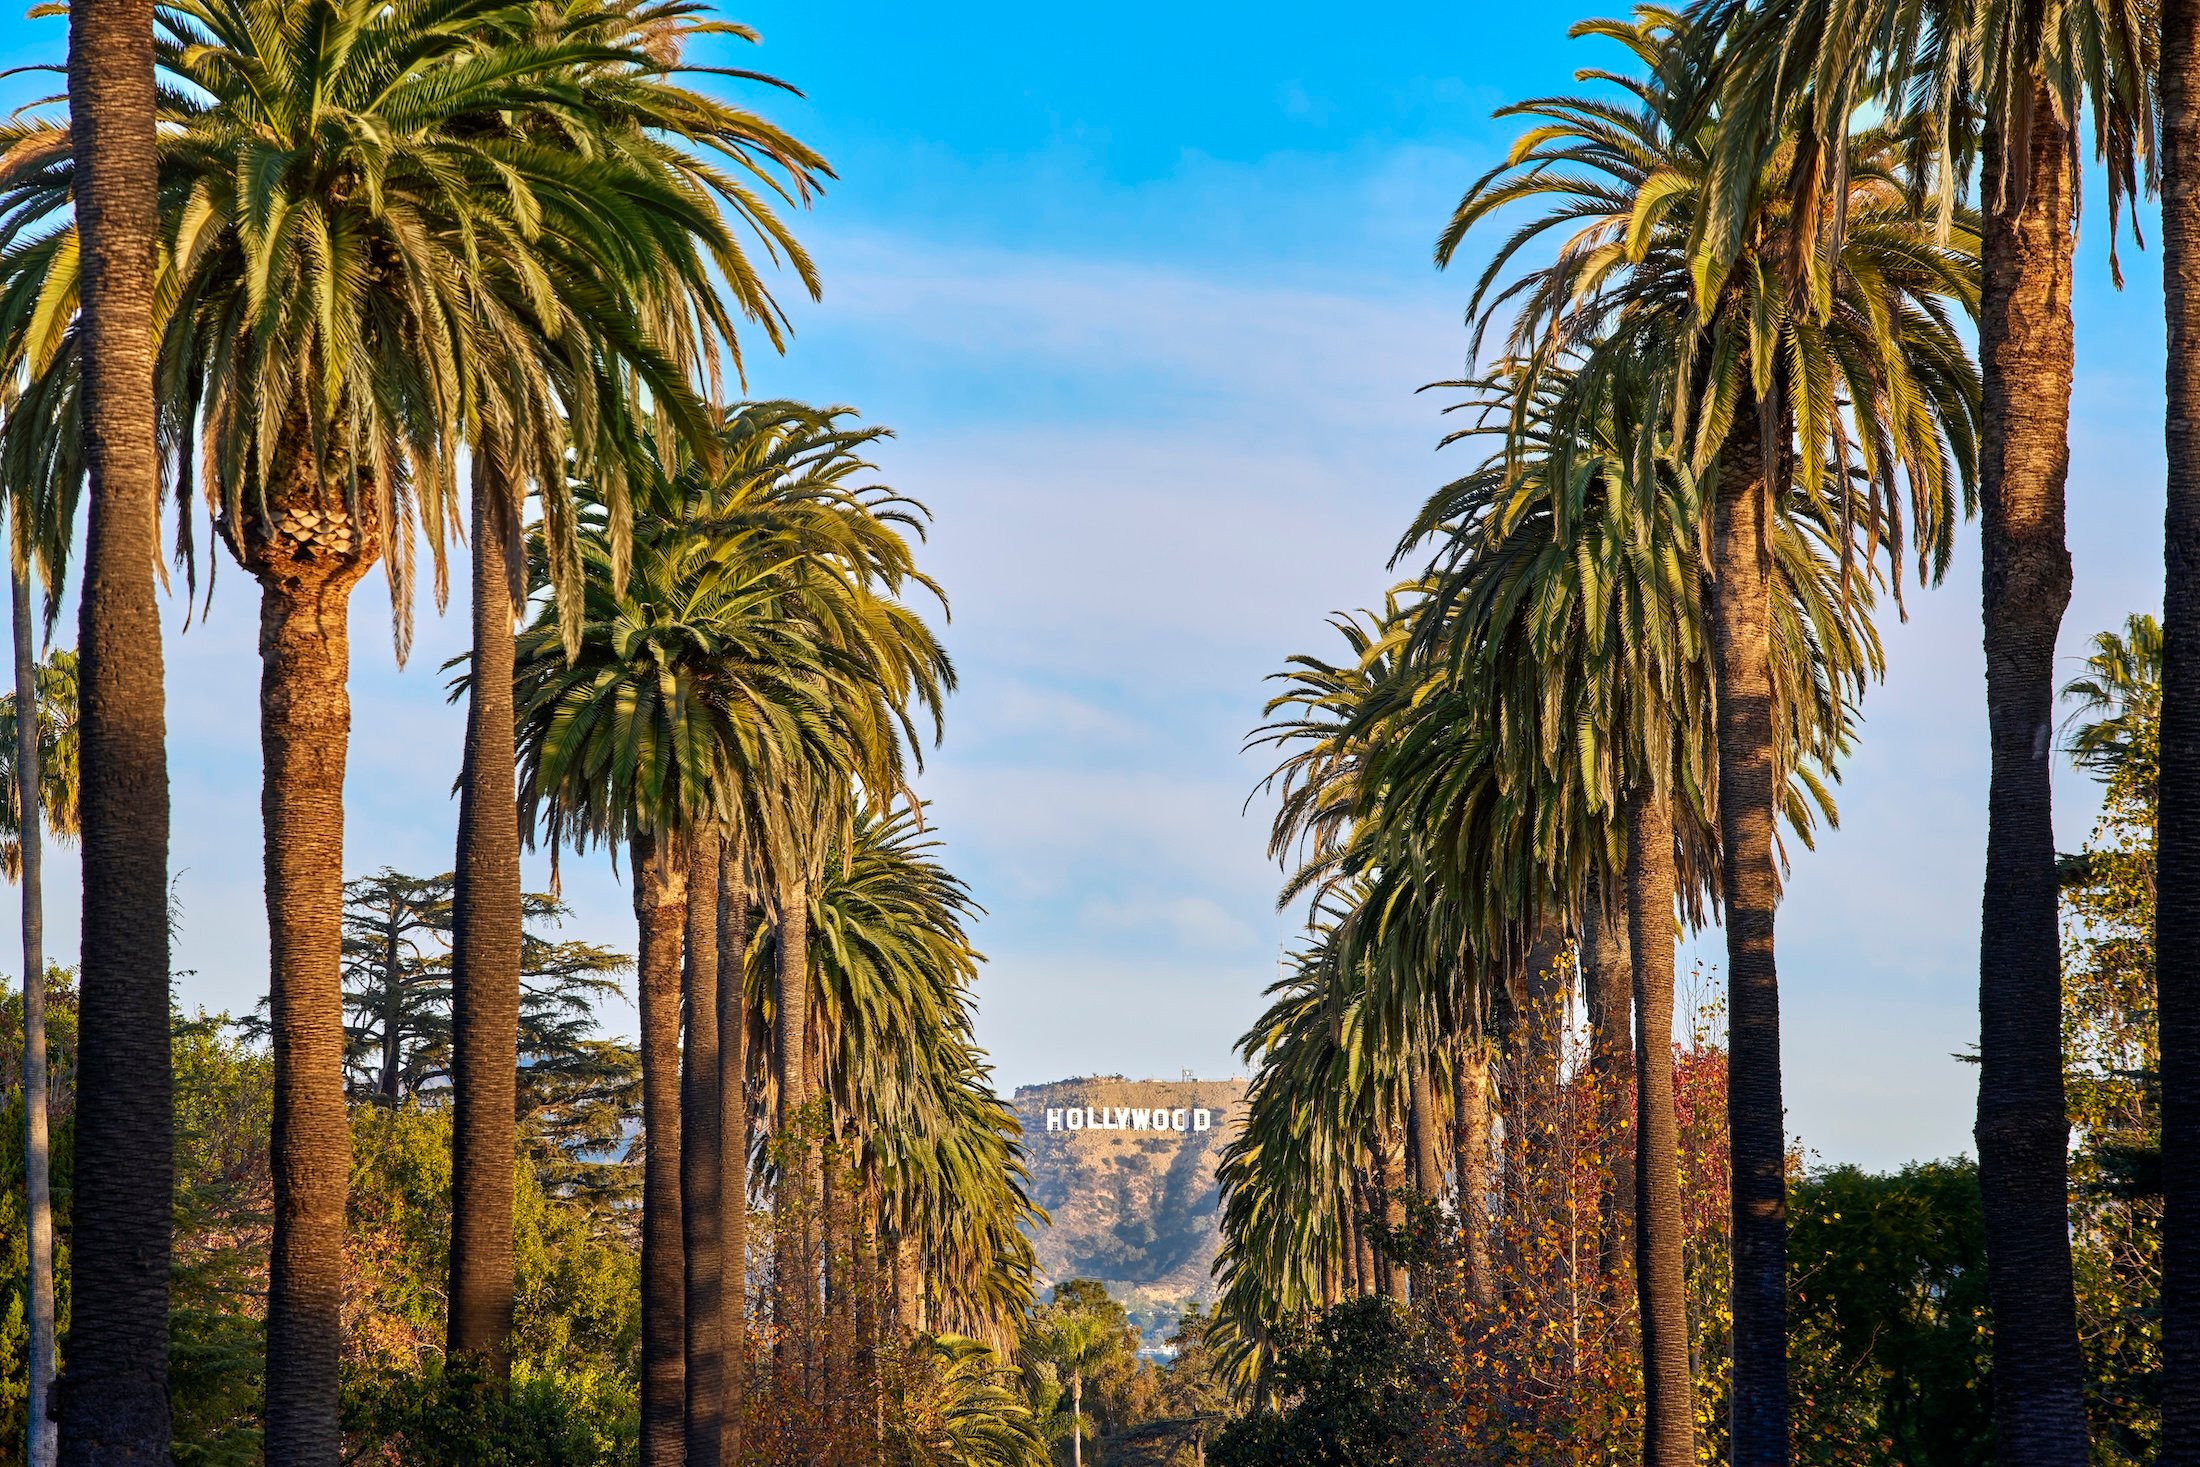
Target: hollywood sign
{"x":1133,"y":1118}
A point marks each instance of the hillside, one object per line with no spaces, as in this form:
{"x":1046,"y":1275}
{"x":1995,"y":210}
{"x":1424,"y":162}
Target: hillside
{"x":1133,"y":1202}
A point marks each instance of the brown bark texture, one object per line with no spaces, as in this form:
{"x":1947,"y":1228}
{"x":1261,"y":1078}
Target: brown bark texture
{"x":1661,"y":1288}
{"x":2025,"y":357}
{"x":1428,"y":1163}
{"x":733,"y":1150}
{"x":305,"y":737}
{"x":485,"y":948}
{"x":2177,"y":851}
{"x":114,"y":1399}
{"x":1607,"y":988}
{"x":660,"y":912}
{"x":1471,"y":1163}
{"x":1741,"y":618}
{"x":702,"y":1177}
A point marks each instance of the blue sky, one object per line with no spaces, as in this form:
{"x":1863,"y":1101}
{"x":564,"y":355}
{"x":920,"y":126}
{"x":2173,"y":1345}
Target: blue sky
{"x":1146,"y":294}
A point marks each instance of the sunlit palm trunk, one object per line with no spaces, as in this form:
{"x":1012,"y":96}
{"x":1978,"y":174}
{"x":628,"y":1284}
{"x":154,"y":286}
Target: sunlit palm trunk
{"x":485,"y":948}
{"x":733,"y":1154}
{"x":1607,"y":980}
{"x":660,"y":912}
{"x":1428,"y":1165}
{"x":1741,"y":617}
{"x":115,"y":1396}
{"x":2025,"y":356}
{"x":702,"y":1170}
{"x":305,"y":735}
{"x":37,"y":1185}
{"x":1661,"y":1289}
{"x":1471,"y":1162}
{"x":2177,"y":856}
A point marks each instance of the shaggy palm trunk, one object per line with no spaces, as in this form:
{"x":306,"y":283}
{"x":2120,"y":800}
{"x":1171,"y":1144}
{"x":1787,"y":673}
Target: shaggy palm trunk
{"x":908,"y":1284}
{"x":2025,"y":354}
{"x":485,"y":947}
{"x":1470,"y":1083}
{"x":660,"y":911}
{"x":115,"y":1396}
{"x":305,"y":737}
{"x":702,"y":1161}
{"x":2177,"y":853}
{"x":1741,"y":619}
{"x":1661,"y":1289}
{"x":733,"y":1147}
{"x":37,"y":1176}
{"x":1391,"y":1182}
{"x":1428,"y":1165}
{"x":1607,"y":992}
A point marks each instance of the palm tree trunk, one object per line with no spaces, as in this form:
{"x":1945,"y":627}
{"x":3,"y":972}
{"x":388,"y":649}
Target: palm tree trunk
{"x":1661,"y":1288}
{"x":1741,"y":615}
{"x":1607,"y":979}
{"x":733,"y":1150}
{"x":37,"y":1151}
{"x":1391,"y":1180}
{"x":2177,"y":852}
{"x":794,"y":1285}
{"x":1428,"y":1167}
{"x":908,"y":1284}
{"x":660,"y":910}
{"x":305,"y":736}
{"x":702,"y":1161}
{"x":1471,"y":1163}
{"x":115,"y":1396}
{"x":2025,"y":355}
{"x":486,"y":945}
{"x":1077,"y":1420}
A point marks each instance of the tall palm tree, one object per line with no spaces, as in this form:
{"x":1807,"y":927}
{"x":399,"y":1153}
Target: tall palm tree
{"x":690,"y":692}
{"x":1075,"y":1343}
{"x":1767,"y":394}
{"x":1999,"y":84}
{"x":671,"y":260}
{"x":115,"y":1393}
{"x":39,"y":779}
{"x":2177,"y":850}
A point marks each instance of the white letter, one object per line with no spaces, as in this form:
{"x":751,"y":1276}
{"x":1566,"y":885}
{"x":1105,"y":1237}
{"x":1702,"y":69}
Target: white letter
{"x":1054,"y":1118}
{"x":1074,"y":1118}
{"x":1203,"y":1120}
{"x":1179,"y":1119}
{"x":1141,"y":1120}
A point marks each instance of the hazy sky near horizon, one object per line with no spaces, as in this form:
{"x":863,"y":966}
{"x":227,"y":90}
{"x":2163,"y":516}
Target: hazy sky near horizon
{"x":1146,"y":295}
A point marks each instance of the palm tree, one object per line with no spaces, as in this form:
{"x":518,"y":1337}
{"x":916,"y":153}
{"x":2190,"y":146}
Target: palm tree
{"x":689,"y":690}
{"x":2000,"y":84}
{"x":38,"y":772}
{"x":672,"y":260}
{"x":2118,"y":697}
{"x":1763,"y":394}
{"x":2177,"y":852}
{"x":1075,"y":1342}
{"x":116,"y":1387}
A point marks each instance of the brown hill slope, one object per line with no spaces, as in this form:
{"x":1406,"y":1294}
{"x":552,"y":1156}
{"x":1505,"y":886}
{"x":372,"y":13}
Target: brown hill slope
{"x":1133,"y":1200}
